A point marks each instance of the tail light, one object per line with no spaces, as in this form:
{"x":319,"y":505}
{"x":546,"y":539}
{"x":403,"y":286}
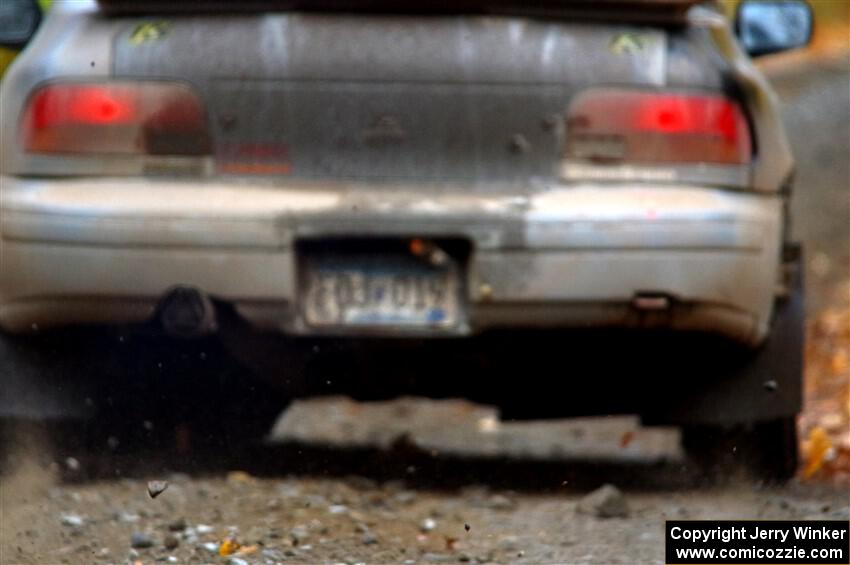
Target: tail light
{"x":115,"y":118}
{"x":618,"y":125}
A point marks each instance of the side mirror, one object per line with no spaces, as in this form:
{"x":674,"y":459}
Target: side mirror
{"x":772,"y":26}
{"x":18,"y":21}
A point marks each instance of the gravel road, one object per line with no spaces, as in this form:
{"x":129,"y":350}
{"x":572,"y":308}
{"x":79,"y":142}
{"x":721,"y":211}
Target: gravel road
{"x":354,"y":520}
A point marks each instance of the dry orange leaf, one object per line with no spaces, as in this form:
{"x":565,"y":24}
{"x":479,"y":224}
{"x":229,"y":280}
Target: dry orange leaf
{"x":817,"y":447}
{"x":228,"y":547}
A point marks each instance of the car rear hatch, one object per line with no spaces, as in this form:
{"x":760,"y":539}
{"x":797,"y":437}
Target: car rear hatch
{"x":382,"y":97}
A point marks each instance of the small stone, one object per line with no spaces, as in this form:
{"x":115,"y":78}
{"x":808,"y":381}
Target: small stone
{"x":177,"y":525}
{"x":369,"y":538}
{"x":210,"y":546}
{"x":170,"y":542}
{"x":771,"y":385}
{"x":203,"y":529}
{"x":73,"y":464}
{"x":299,"y":534}
{"x":464,"y":558}
{"x":467,"y":527}
{"x":156,"y":488}
{"x":140,"y":540}
{"x":128,"y":517}
{"x":236,"y":561}
{"x":73,"y":520}
{"x":605,"y":502}
{"x":427,"y":524}
{"x":338,"y":509}
{"x":273,"y":554}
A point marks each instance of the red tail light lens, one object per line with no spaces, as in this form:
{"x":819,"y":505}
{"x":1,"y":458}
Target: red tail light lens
{"x":116,"y":118}
{"x":642,"y":127}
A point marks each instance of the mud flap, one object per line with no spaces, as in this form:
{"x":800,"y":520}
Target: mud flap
{"x":750,"y":386}
{"x":37,"y":382}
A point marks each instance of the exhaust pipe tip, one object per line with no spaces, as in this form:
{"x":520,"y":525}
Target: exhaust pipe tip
{"x":186,"y":312}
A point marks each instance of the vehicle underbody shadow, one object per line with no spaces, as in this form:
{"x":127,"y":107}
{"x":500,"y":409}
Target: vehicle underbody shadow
{"x":167,"y":406}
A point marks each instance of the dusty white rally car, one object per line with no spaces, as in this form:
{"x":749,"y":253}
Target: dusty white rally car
{"x":458,"y":189}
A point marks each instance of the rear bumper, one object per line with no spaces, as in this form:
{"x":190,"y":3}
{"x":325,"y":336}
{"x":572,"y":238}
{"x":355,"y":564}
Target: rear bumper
{"x":107,"y":250}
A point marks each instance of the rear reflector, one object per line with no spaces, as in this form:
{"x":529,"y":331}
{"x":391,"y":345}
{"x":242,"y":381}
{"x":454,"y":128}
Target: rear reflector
{"x":618,"y":125}
{"x":115,"y":118}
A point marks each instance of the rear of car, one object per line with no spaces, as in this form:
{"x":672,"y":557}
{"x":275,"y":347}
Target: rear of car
{"x":314,"y":173}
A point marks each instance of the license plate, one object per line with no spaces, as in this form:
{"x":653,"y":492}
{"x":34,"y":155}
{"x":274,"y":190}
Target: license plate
{"x":363,"y":291}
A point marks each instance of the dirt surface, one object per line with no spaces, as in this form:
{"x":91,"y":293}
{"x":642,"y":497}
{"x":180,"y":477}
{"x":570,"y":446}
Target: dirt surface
{"x":309,"y":520}
{"x":414,"y":482}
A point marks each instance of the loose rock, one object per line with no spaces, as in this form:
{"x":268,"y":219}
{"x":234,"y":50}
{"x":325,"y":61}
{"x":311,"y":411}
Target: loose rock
{"x":156,"y":488}
{"x":171,"y":542}
{"x":140,"y":540}
{"x":299,"y":534}
{"x":427,"y":524}
{"x":605,"y":502}
{"x":177,"y":525}
{"x":73,"y":520}
{"x":72,"y":464}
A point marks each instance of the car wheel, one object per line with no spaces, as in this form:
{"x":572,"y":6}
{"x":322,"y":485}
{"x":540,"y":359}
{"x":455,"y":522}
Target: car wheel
{"x":765,"y":450}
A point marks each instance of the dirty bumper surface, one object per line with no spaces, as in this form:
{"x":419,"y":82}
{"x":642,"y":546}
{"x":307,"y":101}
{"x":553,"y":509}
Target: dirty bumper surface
{"x":572,"y":247}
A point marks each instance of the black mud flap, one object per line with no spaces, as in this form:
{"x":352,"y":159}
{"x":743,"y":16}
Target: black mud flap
{"x":37,"y":382}
{"x":745,"y":387}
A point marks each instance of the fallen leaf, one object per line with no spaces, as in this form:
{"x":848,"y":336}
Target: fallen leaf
{"x":228,"y":547}
{"x":817,"y":447}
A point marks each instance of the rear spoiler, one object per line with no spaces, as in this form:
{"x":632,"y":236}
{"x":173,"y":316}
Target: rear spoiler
{"x":626,"y":11}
